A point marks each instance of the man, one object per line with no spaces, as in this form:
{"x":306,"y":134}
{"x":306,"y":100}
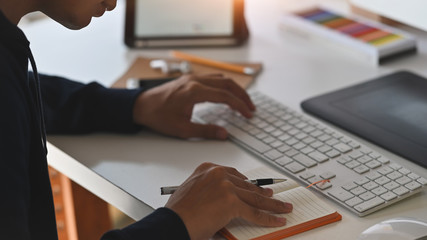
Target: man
{"x":33,"y":104}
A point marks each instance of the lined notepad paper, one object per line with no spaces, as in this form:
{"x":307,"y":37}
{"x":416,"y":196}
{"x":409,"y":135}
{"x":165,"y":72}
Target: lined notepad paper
{"x":309,"y":211}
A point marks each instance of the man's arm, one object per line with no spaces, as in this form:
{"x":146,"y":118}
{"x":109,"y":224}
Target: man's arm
{"x":72,"y":107}
{"x":162,"y":224}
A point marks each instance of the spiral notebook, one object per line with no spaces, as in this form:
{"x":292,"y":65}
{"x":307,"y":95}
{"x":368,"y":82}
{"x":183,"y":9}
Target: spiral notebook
{"x":309,"y":211}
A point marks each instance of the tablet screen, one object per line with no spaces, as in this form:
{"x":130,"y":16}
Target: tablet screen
{"x":169,"y":18}
{"x":398,"y":108}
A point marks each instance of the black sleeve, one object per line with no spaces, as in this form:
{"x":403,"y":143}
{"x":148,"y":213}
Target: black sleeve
{"x":162,"y":224}
{"x":14,"y":155}
{"x":72,"y":107}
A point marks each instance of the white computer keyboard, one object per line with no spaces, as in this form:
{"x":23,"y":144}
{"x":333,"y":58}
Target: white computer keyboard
{"x":361,"y":180}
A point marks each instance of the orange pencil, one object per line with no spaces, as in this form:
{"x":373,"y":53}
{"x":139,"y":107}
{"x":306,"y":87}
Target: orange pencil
{"x":213,"y":63}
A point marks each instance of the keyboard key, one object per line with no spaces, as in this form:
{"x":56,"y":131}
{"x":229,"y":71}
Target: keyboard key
{"x":354,"y":144}
{"x":324,"y":149}
{"x":306,"y":175}
{"x":284,"y":137}
{"x":412,"y":185}
{"x":422,"y":180}
{"x":394,"y":175}
{"x":391,"y":185}
{"x":308,"y":140}
{"x":292,"y":141}
{"x":247,"y":139}
{"x":294,"y":167}
{"x":283,"y":148}
{"x":324,"y":137}
{"x":374,"y":155}
{"x":361,"y":181}
{"x":352,"y":164}
{"x":361,"y":169}
{"x":369,"y":204}
{"x":401,"y":191}
{"x":273,"y":154}
{"x":344,"y":159}
{"x":403,"y":180}
{"x":324,"y":185}
{"x":357,"y":191}
{"x":373,"y":175}
{"x":388,"y":196}
{"x":379,"y":190}
{"x":304,"y":160}
{"x":356,"y":154}
{"x":385,"y":170}
{"x":333,"y":153}
{"x":284,"y":160}
{"x":404,"y":171}
{"x":319,"y":157}
{"x":395,"y":166}
{"x":354,"y":201}
{"x":327,"y":175}
{"x":341,"y":194}
{"x":382,"y":180}
{"x":261,"y":135}
{"x":373,"y":164}
{"x":383,"y":160}
{"x":299,"y":146}
{"x":276,"y":144}
{"x":413,"y":176}
{"x":349,"y":186}
{"x":291,"y":153}
{"x":268,"y":140}
{"x":332,"y":142}
{"x":370,"y":185}
{"x":342,"y":147}
{"x":316,"y":144}
{"x":307,"y":150}
{"x":277,"y":133}
{"x":366,"y":196}
{"x":364,"y":159}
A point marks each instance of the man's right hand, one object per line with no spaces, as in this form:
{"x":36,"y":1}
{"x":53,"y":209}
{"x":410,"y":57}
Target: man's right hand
{"x":214,"y":195}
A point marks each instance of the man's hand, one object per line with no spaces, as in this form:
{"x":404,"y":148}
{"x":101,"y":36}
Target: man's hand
{"x":168,"y":108}
{"x":214,"y":195}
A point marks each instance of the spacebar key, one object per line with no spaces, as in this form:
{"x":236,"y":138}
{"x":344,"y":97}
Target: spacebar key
{"x":247,"y":139}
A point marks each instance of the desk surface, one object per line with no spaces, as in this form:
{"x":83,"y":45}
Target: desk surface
{"x":128,"y":170}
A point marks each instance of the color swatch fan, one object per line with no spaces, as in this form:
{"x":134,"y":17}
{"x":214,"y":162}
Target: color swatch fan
{"x":369,"y":40}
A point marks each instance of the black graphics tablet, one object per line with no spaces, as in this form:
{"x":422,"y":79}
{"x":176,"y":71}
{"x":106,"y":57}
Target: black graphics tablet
{"x":390,"y":111}
{"x":184,"y":23}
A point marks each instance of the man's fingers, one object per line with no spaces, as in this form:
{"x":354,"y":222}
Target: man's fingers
{"x":241,"y":183}
{"x":208,"y":131}
{"x":259,"y":201}
{"x":259,"y":217}
{"x":229,"y":85}
{"x":216,"y":95}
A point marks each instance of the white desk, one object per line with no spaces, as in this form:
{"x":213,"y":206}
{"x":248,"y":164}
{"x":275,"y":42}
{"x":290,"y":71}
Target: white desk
{"x":128,"y":170}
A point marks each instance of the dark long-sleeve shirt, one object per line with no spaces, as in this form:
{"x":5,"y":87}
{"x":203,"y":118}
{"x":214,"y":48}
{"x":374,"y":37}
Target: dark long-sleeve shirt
{"x":26,"y":202}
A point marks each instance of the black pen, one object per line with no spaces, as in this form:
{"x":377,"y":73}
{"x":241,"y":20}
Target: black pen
{"x":258,"y":182}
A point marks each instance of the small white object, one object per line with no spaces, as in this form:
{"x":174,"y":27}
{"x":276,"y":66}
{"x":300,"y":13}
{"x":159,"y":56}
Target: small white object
{"x":396,"y":228}
{"x":170,"y":67}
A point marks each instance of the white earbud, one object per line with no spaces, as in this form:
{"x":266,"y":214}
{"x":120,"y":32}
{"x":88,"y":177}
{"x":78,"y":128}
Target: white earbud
{"x":170,"y":67}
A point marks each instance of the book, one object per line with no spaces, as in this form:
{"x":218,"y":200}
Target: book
{"x":309,"y":211}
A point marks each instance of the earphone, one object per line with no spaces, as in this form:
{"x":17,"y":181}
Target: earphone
{"x":170,"y":67}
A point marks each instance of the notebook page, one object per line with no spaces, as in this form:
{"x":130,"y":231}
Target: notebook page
{"x":266,"y":172}
{"x":307,"y":206}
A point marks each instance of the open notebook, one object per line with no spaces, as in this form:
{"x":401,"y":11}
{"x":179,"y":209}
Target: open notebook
{"x":309,"y":211}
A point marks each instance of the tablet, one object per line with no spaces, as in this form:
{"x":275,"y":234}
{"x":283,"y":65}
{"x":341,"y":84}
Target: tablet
{"x":390,"y":111}
{"x":184,"y":23}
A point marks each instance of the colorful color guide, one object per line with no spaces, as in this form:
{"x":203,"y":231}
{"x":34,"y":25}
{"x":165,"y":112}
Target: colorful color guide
{"x":357,"y":30}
